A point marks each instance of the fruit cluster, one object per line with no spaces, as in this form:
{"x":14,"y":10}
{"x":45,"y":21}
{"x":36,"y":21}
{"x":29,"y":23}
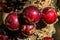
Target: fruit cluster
{"x":30,"y":16}
{"x":26,"y":22}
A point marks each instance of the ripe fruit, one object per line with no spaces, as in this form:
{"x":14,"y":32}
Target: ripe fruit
{"x":47,"y":38}
{"x":7,"y":9}
{"x":3,"y":37}
{"x":32,"y":14}
{"x":12,"y":21}
{"x":28,"y":30}
{"x":1,"y":7}
{"x":49,"y":15}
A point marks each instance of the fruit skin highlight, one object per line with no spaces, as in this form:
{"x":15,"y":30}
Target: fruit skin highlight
{"x":32,"y":14}
{"x":28,"y":30}
{"x":12,"y":21}
{"x":49,"y":15}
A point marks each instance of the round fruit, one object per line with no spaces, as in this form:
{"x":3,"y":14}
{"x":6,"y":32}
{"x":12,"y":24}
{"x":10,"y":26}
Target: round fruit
{"x":7,"y":9}
{"x":32,"y":14}
{"x":1,"y":7}
{"x":12,"y":21}
{"x":49,"y":15}
{"x":47,"y":38}
{"x":3,"y":37}
{"x":28,"y":30}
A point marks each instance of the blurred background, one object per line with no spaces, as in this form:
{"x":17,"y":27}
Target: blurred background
{"x":57,"y":34}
